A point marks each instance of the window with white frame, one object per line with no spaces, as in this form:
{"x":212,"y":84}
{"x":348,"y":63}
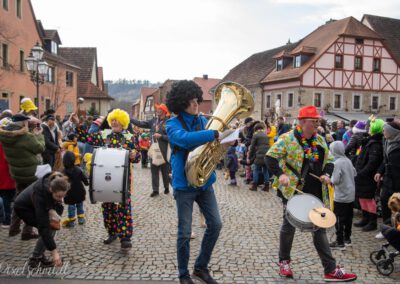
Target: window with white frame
{"x":279,"y":64}
{"x":54,"y":47}
{"x":290,"y":98}
{"x":297,"y":61}
{"x":268,"y":101}
{"x":357,"y":101}
{"x":279,"y":99}
{"x":392,"y":103}
{"x":337,"y":101}
{"x":317,"y":102}
{"x":374,"y":102}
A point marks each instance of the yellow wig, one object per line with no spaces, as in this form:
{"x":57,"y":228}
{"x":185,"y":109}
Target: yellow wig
{"x":121,"y":116}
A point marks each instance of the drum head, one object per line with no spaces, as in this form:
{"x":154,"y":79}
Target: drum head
{"x":300,"y":205}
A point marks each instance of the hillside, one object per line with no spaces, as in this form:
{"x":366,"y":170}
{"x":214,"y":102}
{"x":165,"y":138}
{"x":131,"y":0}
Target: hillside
{"x":125,"y":92}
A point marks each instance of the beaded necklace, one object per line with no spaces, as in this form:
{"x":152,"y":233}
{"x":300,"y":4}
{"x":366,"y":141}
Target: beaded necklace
{"x":310,"y":152}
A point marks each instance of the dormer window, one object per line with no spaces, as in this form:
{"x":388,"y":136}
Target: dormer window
{"x":297,"y":61}
{"x":279,"y":64}
{"x":54,"y":47}
{"x":359,"y":41}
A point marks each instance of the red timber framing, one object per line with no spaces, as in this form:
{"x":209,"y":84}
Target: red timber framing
{"x":347,"y":78}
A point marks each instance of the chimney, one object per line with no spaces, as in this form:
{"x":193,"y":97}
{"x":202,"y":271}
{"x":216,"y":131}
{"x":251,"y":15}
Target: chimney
{"x":330,"y":21}
{"x":205,"y":77}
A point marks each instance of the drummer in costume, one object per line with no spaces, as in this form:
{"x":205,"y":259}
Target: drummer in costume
{"x":117,"y":216}
{"x":292,"y":159}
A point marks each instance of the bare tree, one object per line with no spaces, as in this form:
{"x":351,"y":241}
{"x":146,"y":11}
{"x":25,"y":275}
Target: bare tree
{"x":8,"y":36}
{"x":58,"y":91}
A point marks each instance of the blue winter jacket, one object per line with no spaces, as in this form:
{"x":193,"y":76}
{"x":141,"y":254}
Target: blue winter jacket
{"x":188,"y":140}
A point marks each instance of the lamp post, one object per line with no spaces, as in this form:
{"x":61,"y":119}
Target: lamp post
{"x":38,"y":69}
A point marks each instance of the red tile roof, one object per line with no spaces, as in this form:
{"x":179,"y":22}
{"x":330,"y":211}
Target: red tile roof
{"x":146,"y":91}
{"x":253,"y":69}
{"x":84,"y":57}
{"x":88,"y":90}
{"x":320,"y":40}
{"x":206,"y":85}
{"x":390,"y":30}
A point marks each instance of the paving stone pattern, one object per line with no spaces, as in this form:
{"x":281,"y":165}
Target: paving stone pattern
{"x":246,"y":252}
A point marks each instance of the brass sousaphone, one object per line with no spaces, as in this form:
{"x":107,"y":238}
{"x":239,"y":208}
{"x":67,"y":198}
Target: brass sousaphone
{"x":234,"y":101}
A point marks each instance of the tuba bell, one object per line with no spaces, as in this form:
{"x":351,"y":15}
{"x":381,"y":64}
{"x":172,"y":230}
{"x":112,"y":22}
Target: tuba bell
{"x":234,"y":101}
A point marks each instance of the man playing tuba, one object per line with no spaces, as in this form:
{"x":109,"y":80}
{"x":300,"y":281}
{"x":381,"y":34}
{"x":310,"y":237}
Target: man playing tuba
{"x":185,"y":132}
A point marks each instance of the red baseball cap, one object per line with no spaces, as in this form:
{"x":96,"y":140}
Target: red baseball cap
{"x":308,"y":112}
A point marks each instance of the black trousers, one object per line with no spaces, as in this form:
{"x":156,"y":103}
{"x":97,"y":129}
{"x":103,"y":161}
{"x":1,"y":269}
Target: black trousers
{"x":344,"y":216}
{"x":320,"y":240}
{"x":155,"y":176}
{"x":386,"y":212}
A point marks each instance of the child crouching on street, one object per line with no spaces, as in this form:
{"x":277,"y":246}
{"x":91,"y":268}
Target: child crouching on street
{"x":343,"y":180}
{"x":392,"y":235}
{"x":76,"y":195}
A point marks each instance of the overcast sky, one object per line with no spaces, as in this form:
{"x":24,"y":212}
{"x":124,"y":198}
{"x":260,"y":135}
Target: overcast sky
{"x":181,"y":39}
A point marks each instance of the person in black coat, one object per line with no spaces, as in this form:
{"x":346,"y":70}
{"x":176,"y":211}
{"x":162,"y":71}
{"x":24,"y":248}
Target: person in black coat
{"x":232,"y":163}
{"x":389,"y":171}
{"x":258,"y":149}
{"x":50,"y":133}
{"x":76,"y":195}
{"x":34,"y":206}
{"x":366,"y":166}
{"x":159,"y":135}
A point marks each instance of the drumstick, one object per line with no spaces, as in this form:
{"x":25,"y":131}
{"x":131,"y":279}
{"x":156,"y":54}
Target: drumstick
{"x":317,"y":177}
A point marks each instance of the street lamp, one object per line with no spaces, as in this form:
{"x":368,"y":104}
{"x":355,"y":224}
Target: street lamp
{"x":38,"y":69}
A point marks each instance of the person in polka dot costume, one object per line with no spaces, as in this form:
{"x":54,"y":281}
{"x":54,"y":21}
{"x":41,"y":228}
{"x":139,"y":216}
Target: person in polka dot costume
{"x":117,"y":216}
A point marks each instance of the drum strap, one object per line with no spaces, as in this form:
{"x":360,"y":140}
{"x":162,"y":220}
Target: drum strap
{"x":304,"y":172}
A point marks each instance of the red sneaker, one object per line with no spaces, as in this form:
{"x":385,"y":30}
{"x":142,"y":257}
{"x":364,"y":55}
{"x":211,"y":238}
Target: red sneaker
{"x":284,"y":269}
{"x":339,"y":275}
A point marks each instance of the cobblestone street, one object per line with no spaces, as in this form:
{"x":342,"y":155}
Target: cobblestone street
{"x":245,"y":253}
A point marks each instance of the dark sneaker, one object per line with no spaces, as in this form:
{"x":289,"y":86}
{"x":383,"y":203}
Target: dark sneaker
{"x":186,"y":280}
{"x":29,"y":236}
{"x":284,"y":269}
{"x":126,"y":244}
{"x":166,"y":191}
{"x":154,"y":194}
{"x":110,"y":239}
{"x":339,"y":275}
{"x":204,"y":276}
{"x":347,"y":242}
{"x":70,"y":224}
{"x":81,"y":219}
{"x":336,"y":245}
{"x":45,"y":261}
{"x":42,"y":261}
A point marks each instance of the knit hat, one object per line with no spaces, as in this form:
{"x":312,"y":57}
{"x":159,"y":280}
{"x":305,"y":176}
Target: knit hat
{"x":71,"y":136}
{"x":376,"y":126}
{"x":20,"y":117}
{"x":248,"y":119}
{"x":27,"y":105}
{"x":98,"y":121}
{"x":359,"y":127}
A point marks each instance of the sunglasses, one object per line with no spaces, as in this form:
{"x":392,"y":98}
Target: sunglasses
{"x":312,"y":120}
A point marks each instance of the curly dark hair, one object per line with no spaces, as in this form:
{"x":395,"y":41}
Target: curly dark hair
{"x":178,"y":98}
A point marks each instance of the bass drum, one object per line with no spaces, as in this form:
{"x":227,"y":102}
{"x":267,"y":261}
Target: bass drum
{"x":298,"y":208}
{"x":109,"y":175}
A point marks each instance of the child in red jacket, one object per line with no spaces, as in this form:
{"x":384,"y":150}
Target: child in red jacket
{"x":144,"y":145}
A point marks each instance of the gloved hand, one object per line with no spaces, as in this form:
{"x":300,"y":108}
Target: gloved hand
{"x":224,"y":134}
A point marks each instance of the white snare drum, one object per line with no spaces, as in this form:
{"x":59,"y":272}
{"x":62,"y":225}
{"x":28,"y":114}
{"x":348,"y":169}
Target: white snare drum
{"x":109,"y":175}
{"x":298,"y":208}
